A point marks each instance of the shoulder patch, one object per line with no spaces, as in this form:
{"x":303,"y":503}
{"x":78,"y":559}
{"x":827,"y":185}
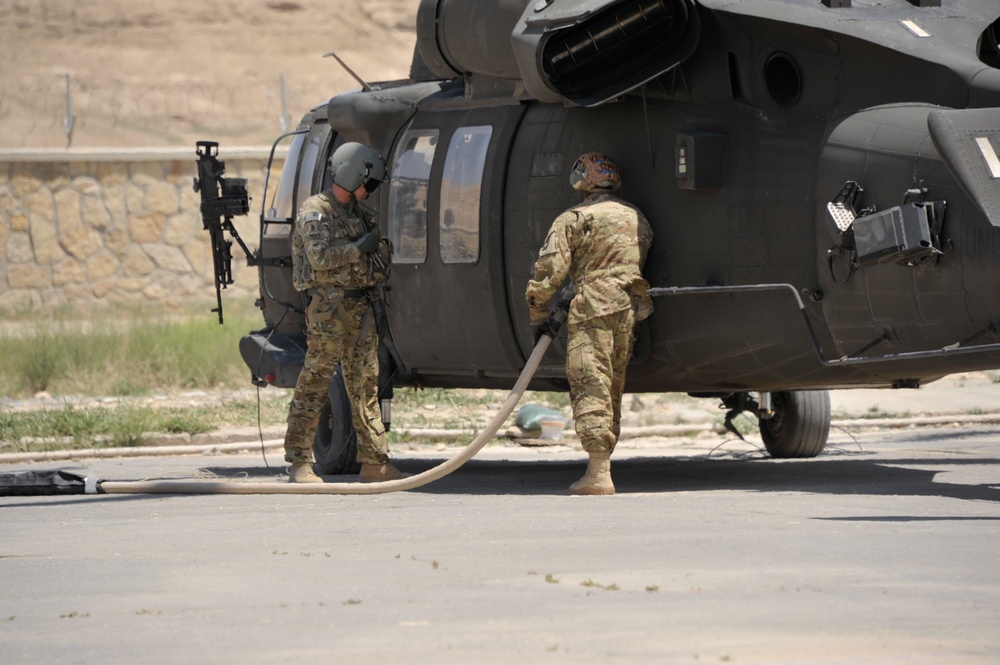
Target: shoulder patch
{"x":550,"y":246}
{"x":314,"y":216}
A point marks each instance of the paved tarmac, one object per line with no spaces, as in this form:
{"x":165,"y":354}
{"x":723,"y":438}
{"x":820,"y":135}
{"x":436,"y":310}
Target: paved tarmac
{"x":882,"y":550}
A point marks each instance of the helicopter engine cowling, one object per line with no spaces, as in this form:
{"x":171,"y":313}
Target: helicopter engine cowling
{"x":578,"y":54}
{"x":456,"y":37}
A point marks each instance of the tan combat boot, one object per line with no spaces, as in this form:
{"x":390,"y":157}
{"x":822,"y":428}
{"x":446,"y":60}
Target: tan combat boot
{"x":377,"y":473}
{"x":302,"y":472}
{"x":597,"y":480}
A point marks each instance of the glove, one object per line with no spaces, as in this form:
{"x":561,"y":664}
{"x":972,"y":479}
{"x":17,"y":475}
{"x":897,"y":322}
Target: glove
{"x":368,"y":242}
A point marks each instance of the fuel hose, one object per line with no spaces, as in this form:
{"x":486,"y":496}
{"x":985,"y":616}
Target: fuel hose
{"x":409,"y":483}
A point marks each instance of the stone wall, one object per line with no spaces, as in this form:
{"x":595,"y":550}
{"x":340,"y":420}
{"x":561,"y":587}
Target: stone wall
{"x":80,"y":227}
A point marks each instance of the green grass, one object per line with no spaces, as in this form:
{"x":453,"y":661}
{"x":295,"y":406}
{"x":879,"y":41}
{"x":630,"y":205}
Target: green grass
{"x":127,"y":423}
{"x":124,"y":426}
{"x":123,"y":352}
{"x":130,"y":353}
{"x":126,"y":353}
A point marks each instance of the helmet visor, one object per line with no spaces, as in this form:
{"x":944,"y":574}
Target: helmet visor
{"x":375,"y":175}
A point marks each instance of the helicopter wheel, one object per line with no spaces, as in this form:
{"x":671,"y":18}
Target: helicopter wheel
{"x":335,"y":447}
{"x":800,"y":424}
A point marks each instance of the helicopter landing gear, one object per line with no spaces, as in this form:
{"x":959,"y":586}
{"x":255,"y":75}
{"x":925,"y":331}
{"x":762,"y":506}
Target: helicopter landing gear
{"x":800,"y":423}
{"x":792,"y":423}
{"x":335,"y":447}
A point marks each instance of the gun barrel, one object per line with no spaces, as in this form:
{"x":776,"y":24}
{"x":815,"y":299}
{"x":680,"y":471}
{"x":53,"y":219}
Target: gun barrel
{"x":221,"y":199}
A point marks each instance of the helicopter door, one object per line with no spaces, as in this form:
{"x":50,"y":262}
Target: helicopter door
{"x":444,"y":217}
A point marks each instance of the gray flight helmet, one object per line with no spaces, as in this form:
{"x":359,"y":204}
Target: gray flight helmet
{"x":354,"y":164}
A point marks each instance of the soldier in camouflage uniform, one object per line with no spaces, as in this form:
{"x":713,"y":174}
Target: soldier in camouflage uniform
{"x":601,"y":245}
{"x":340,"y":261}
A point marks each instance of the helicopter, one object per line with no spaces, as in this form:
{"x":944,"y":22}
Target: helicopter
{"x":822,"y":178}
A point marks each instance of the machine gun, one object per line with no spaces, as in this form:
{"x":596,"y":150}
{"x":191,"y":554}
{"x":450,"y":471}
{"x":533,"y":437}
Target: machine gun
{"x":221,"y":199}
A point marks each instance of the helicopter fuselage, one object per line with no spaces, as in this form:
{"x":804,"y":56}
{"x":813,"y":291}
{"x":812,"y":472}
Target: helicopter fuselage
{"x":736,"y":154}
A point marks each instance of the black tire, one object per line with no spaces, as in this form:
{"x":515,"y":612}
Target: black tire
{"x":336,"y":445}
{"x":800,"y":424}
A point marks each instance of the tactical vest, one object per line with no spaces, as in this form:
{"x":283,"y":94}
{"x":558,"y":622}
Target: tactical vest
{"x":323,"y":251}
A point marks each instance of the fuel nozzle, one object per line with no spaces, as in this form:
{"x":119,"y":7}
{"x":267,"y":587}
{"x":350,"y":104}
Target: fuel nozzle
{"x":558,"y":317}
{"x":558,"y":314}
{"x":560,"y":310}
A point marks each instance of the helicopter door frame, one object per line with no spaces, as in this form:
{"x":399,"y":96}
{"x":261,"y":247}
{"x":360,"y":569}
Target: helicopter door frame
{"x":442,"y":279}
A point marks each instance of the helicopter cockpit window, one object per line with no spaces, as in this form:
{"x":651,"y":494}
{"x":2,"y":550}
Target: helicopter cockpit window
{"x":461,"y":185}
{"x":410,"y":173}
{"x":280,"y":210}
{"x":310,"y":153}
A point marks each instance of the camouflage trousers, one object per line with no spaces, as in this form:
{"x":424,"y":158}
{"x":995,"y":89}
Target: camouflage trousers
{"x":347,"y":337}
{"x":597,"y":353}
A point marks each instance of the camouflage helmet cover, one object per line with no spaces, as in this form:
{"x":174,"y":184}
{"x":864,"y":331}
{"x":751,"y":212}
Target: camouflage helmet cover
{"x":595,"y":171}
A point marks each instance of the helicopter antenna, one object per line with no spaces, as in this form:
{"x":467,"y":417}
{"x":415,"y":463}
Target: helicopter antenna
{"x":364,"y":86}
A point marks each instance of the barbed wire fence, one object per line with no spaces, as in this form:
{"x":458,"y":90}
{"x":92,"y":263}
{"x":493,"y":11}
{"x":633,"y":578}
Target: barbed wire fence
{"x":64,"y":109}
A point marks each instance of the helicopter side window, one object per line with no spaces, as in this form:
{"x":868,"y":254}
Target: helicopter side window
{"x":461,"y":185}
{"x":411,"y":172}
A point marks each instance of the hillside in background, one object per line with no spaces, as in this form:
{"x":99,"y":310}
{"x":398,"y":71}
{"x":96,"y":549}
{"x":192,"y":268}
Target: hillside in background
{"x":171,"y":73}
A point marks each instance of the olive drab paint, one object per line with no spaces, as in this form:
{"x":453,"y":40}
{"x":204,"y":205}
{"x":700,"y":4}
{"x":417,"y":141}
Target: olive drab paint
{"x":736,"y":126}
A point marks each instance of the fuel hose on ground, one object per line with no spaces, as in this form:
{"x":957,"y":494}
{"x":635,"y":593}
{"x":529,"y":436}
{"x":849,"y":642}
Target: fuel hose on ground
{"x":412,"y":482}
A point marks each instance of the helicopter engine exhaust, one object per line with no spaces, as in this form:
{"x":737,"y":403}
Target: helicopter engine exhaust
{"x":581,"y":55}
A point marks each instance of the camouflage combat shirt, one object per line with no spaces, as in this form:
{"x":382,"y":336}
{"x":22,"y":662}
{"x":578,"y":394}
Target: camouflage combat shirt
{"x":323,"y":251}
{"x":601,"y":245}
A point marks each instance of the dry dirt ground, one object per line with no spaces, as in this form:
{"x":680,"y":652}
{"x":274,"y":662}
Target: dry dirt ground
{"x":954,"y":402}
{"x":170,"y":73}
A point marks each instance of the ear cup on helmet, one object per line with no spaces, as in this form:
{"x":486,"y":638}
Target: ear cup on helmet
{"x":354,"y":164}
{"x":595,"y":171}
